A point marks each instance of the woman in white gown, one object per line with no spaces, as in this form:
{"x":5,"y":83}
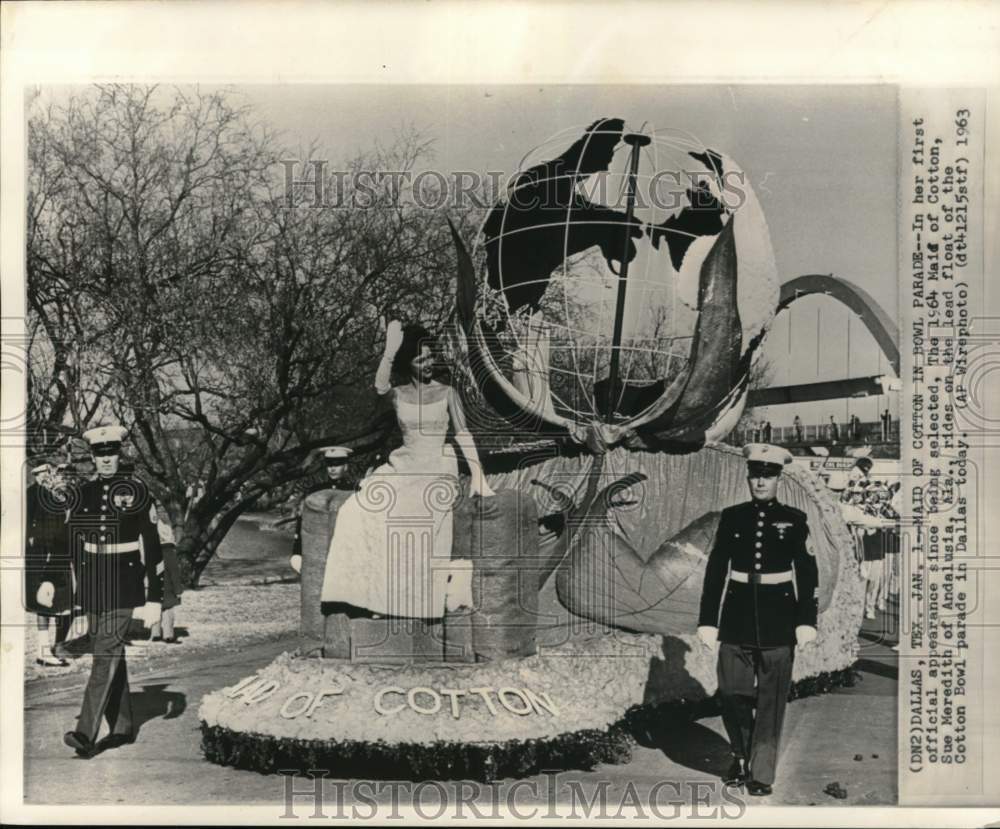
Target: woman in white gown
{"x":391,"y":548}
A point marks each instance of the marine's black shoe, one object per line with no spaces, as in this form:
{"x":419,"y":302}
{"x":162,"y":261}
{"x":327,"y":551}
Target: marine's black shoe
{"x":51,"y":662}
{"x":115,"y":741}
{"x":758,"y":789}
{"x":81,"y":743}
{"x":737,"y":774}
{"x":60,"y":651}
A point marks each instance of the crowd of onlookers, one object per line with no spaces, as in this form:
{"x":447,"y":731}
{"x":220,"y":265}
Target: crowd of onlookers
{"x":832,"y":432}
{"x":871,"y":508}
{"x":873,"y":498}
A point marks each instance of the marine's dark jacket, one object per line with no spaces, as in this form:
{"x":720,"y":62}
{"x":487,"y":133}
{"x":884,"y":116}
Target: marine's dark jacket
{"x":116,"y":545}
{"x":760,"y":537}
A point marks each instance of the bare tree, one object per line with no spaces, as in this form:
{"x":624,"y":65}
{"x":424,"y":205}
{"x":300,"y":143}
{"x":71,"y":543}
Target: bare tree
{"x":178,"y":290}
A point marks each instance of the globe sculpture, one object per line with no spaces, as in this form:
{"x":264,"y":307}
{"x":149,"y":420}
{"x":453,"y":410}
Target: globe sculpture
{"x":606,"y":321}
{"x":620,"y":289}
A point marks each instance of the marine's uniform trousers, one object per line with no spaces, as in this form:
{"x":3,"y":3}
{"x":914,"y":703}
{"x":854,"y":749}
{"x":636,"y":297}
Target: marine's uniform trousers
{"x":120,"y":567}
{"x":772,"y":588}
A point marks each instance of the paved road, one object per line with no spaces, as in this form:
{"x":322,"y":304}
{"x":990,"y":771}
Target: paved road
{"x":848,"y":736}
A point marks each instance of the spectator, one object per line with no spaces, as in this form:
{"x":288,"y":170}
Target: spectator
{"x":163,"y":629}
{"x":766,"y":429}
{"x":833,"y":430}
{"x":194,"y":493}
{"x":797,"y":425}
{"x":48,"y":572}
{"x":886,"y":426}
{"x":873,"y":563}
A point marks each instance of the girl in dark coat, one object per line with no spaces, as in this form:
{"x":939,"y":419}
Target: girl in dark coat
{"x":48,"y":572}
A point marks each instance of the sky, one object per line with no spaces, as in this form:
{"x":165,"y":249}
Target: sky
{"x":821,"y":159}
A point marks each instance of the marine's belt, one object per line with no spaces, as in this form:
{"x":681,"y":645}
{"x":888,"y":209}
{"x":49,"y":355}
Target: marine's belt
{"x":125,"y":547}
{"x":762,"y":578}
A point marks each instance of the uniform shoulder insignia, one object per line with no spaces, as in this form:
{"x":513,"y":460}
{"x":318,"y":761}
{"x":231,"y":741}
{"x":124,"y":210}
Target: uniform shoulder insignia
{"x":796,"y":513}
{"x":736,"y":509}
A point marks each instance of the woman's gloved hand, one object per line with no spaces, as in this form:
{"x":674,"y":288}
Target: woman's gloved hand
{"x":393,"y":336}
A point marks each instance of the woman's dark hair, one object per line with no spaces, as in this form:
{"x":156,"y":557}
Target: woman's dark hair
{"x":415,"y":337}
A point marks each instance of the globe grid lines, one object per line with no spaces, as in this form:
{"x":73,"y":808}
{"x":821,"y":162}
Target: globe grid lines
{"x":571,"y":342}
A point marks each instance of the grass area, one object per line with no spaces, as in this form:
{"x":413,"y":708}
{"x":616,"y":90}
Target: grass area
{"x":217,"y":618}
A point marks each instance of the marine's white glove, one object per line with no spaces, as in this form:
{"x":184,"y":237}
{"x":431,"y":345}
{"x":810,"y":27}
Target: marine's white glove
{"x":804,"y":634}
{"x":709,"y":636}
{"x":46,"y":594}
{"x":295,"y":562}
{"x":149,"y":613}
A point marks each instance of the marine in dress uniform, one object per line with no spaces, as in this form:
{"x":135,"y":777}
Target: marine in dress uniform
{"x":335,"y":458}
{"x":113,"y":536}
{"x":768,"y":607}
{"x":48,"y":570}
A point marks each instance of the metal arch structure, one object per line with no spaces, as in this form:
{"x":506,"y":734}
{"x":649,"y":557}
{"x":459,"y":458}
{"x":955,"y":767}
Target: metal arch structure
{"x":875,"y":319}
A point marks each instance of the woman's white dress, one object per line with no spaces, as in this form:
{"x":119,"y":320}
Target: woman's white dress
{"x":391,"y":546}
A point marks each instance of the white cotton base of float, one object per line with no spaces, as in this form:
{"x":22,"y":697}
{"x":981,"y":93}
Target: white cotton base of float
{"x":589,"y":683}
{"x":586,"y":685}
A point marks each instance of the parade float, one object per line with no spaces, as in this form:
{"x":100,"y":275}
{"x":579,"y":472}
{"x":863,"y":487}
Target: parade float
{"x":603,"y":350}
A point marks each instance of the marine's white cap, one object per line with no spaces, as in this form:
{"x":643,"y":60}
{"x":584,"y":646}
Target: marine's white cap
{"x":766,"y":453}
{"x":331,"y":453}
{"x":105,"y":435}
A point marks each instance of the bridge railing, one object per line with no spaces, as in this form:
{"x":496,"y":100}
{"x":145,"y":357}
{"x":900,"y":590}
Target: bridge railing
{"x":818,"y":434}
